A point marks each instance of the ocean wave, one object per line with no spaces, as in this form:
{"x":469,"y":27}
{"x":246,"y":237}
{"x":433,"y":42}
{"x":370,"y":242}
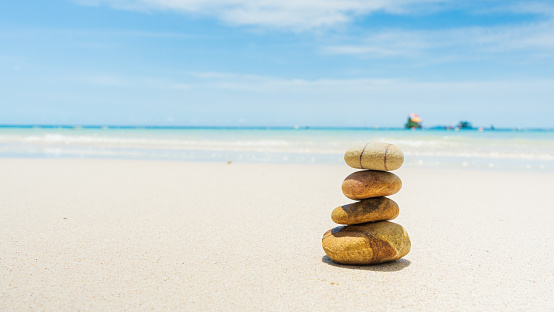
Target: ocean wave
{"x":288,"y":145}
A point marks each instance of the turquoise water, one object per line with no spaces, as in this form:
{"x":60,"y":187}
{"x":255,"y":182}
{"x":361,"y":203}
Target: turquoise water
{"x":526,"y":150}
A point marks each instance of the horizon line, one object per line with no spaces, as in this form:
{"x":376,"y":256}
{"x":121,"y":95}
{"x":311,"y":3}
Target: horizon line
{"x":295,"y":127}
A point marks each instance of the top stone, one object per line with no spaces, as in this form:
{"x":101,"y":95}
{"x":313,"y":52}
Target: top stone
{"x":374,"y":156}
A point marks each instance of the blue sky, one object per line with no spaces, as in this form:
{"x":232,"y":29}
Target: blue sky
{"x":277,"y":63}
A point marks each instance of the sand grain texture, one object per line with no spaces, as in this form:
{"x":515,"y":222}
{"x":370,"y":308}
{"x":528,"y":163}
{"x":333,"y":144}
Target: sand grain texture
{"x":117,"y":235}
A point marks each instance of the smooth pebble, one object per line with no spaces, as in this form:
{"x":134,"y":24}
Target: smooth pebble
{"x":374,"y":156}
{"x":367,"y":243}
{"x":366,"y":210}
{"x":369,"y":183}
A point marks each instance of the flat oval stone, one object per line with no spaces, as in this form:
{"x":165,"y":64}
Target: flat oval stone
{"x":367,"y":243}
{"x":366,"y":210}
{"x":374,"y":156}
{"x":368,"y":183}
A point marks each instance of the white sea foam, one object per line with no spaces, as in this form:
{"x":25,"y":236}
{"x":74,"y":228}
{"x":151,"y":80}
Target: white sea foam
{"x":466,"y":149}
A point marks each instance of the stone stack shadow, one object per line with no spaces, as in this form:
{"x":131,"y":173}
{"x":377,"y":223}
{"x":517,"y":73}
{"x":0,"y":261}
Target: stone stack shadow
{"x":367,"y":237}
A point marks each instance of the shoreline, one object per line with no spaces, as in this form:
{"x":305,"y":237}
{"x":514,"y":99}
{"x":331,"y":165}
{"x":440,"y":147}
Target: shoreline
{"x":91,"y":234}
{"x":295,"y":127}
{"x":337,"y":163}
{"x":517,"y":150}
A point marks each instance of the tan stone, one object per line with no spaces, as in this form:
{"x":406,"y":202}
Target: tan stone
{"x":367,"y":183}
{"x":367,"y":210}
{"x":374,"y":156}
{"x":367,"y":243}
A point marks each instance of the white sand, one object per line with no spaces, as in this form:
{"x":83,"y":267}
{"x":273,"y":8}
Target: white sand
{"x":139,"y":235}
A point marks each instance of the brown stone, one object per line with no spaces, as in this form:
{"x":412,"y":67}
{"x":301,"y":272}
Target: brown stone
{"x":367,"y":210}
{"x":374,"y":156}
{"x":367,"y":243}
{"x":368,"y":183}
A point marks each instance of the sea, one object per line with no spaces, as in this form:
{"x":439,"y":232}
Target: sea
{"x":513,"y":149}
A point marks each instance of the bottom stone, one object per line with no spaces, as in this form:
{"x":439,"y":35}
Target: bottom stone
{"x":367,"y":243}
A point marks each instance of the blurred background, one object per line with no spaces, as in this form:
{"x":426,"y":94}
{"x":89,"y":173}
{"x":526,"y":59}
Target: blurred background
{"x":278,"y":80}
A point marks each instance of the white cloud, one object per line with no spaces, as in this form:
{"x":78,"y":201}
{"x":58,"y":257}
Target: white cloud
{"x":288,"y":14}
{"x":259,"y":83}
{"x":462,"y":42}
{"x":262,"y":84}
{"x":125,"y":81}
{"x":105,"y":80}
{"x":254,"y":85}
{"x":40,"y":32}
{"x":388,"y":43}
{"x":532,"y":7}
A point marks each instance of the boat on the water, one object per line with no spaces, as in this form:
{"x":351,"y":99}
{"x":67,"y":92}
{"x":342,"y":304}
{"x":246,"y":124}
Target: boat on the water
{"x":414,"y":121}
{"x":464,"y":125}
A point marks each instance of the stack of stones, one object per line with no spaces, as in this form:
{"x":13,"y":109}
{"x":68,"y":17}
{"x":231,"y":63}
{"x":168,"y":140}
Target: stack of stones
{"x":367,"y":237}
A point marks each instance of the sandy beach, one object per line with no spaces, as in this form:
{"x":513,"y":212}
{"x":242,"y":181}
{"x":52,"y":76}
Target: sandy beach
{"x":85,"y":234}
